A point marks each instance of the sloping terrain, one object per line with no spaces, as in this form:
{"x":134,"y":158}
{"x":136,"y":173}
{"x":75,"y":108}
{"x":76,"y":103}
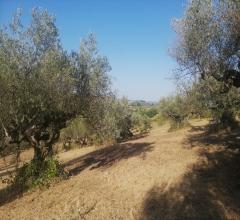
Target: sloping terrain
{"x":187,"y":174}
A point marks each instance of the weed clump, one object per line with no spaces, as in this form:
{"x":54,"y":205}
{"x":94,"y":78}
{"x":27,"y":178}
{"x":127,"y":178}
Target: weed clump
{"x":38,"y":173}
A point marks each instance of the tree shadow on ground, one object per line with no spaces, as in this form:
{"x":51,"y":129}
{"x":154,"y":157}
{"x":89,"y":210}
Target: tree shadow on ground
{"x":211,"y":190}
{"x":106,"y":157}
{"x":137,"y":136}
{"x":10,"y":193}
{"x":103,"y":157}
{"x":208,"y":135}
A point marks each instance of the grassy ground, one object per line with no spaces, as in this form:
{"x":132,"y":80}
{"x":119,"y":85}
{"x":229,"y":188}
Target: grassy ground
{"x":186,"y":174}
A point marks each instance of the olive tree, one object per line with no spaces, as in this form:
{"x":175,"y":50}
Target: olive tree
{"x":42,"y":86}
{"x":174,"y":109}
{"x":208,"y":45}
{"x":115,"y":123}
{"x":33,"y":71}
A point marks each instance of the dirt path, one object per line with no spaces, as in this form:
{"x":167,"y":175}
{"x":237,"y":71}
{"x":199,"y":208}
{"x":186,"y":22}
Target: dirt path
{"x":178,"y":175}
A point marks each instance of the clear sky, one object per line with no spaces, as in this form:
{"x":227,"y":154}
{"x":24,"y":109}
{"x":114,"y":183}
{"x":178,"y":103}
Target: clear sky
{"x":135,"y":35}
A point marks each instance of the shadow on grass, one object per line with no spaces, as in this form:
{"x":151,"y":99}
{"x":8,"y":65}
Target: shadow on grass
{"x":137,"y":136}
{"x":103,"y":157}
{"x":106,"y":157}
{"x":211,"y":190}
{"x":10,"y":193}
{"x":207,"y":135}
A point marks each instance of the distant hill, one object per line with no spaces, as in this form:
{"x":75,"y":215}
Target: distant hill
{"x":141,"y":103}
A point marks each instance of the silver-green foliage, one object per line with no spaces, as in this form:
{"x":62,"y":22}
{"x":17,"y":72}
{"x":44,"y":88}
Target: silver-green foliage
{"x":42,"y":86}
{"x":175,"y":110}
{"x":115,"y":123}
{"x":141,"y":119}
{"x":208,"y":50}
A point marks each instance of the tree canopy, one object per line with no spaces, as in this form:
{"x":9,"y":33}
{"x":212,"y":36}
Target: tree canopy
{"x":42,"y":85}
{"x":208,"y":40}
{"x":208,"y":51}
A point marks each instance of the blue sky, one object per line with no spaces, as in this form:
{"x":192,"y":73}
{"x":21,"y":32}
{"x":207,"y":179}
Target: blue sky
{"x":135,"y":35}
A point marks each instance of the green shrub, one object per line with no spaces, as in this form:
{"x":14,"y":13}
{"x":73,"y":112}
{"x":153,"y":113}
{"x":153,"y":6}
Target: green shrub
{"x":38,"y":173}
{"x":146,"y":125}
{"x":151,"y":112}
{"x":176,"y":110}
{"x":159,"y":119}
{"x":141,"y":122}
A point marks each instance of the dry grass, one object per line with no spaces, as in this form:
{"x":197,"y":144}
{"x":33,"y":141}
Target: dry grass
{"x":178,"y":175}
